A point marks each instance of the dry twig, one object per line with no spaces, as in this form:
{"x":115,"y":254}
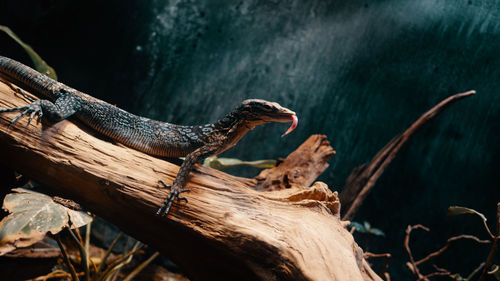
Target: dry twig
{"x":387,"y":256}
{"x":363,"y":178}
{"x":448,"y":242}
{"x":493,"y":249}
{"x":413,"y":265}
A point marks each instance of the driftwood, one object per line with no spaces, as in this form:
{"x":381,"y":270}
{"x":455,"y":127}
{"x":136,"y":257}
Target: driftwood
{"x":300,"y":168}
{"x":228,"y":231}
{"x":363,"y":178}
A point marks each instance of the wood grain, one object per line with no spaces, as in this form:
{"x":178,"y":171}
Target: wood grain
{"x":227,"y":231}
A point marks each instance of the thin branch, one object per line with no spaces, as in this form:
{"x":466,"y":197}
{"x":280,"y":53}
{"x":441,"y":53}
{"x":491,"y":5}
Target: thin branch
{"x":475,"y":271}
{"x":412,"y":266}
{"x":141,"y":267}
{"x":448,"y":243}
{"x":137,"y":246}
{"x":71,"y":268}
{"x":493,"y":249}
{"x":363,"y":178}
{"x":439,"y":272}
{"x":77,"y":232}
{"x":488,"y":229}
{"x":387,"y":256}
{"x":108,"y":251}
{"x":87,"y":244}
{"x":54,"y":274}
{"x":83,"y":255}
{"x":116,"y":265}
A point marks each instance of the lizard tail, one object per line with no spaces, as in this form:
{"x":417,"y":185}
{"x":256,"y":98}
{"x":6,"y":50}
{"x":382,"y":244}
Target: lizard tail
{"x":18,"y":73}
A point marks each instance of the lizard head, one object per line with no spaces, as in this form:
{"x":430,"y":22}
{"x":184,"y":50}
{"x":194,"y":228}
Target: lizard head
{"x":256,"y":111}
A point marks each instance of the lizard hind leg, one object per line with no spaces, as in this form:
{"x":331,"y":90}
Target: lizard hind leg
{"x":182,"y":176}
{"x":173,"y":196}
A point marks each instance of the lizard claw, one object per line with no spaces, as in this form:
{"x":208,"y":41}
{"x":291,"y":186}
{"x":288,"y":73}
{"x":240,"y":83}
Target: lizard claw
{"x":31,"y":117}
{"x":163,"y":184}
{"x":20,"y":91}
{"x":172,"y":197}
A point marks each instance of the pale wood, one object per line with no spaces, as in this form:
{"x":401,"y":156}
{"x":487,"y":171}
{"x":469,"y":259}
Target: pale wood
{"x":227,"y":231}
{"x":301,"y":168}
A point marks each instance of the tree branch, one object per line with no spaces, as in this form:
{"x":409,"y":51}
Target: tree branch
{"x":227,"y":231}
{"x":363,"y":178}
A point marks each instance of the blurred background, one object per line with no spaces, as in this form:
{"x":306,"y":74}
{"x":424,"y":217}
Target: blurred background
{"x":359,"y":72}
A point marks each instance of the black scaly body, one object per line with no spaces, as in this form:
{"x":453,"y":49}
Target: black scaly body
{"x":143,"y":134}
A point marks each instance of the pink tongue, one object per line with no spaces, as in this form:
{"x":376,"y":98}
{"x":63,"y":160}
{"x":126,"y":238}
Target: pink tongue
{"x":295,"y":121}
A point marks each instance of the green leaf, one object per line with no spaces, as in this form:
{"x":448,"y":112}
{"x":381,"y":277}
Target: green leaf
{"x":40,"y":65}
{"x":457,"y":210}
{"x":358,"y":227}
{"x":226,"y":163}
{"x":32,"y":215}
{"x":376,"y":231}
{"x":367,"y":225}
{"x":367,"y":228}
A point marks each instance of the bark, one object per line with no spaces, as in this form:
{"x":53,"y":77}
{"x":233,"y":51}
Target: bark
{"x":227,"y":231}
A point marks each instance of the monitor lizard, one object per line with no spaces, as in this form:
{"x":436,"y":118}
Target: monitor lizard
{"x":150,"y":136}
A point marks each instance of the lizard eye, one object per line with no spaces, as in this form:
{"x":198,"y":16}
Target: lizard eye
{"x":266,"y":107}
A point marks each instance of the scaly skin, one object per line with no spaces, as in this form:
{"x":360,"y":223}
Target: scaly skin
{"x":143,"y":134}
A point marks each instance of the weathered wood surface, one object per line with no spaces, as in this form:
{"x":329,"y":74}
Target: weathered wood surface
{"x":227,"y":231}
{"x":301,"y":168}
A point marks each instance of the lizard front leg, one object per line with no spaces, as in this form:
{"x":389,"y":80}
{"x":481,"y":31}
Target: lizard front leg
{"x":65,"y":106}
{"x":182,"y":176}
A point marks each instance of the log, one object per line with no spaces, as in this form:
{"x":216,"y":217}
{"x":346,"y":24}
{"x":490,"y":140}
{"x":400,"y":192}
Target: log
{"x":227,"y":231}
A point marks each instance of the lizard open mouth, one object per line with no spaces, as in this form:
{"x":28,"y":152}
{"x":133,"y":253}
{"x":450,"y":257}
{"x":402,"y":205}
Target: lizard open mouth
{"x":295,"y":122}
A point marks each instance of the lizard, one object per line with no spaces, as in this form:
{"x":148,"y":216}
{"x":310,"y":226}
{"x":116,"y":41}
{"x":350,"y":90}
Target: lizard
{"x":156,"y":138}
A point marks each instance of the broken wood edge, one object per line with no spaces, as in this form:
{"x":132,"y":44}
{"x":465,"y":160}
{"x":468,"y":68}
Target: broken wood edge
{"x":361,"y":180}
{"x":227,"y":231}
{"x":300,"y":168}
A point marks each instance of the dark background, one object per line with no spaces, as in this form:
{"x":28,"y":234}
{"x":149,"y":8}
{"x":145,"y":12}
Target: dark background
{"x":357,"y":71}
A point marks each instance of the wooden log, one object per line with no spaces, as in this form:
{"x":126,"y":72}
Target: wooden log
{"x":227,"y":231}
